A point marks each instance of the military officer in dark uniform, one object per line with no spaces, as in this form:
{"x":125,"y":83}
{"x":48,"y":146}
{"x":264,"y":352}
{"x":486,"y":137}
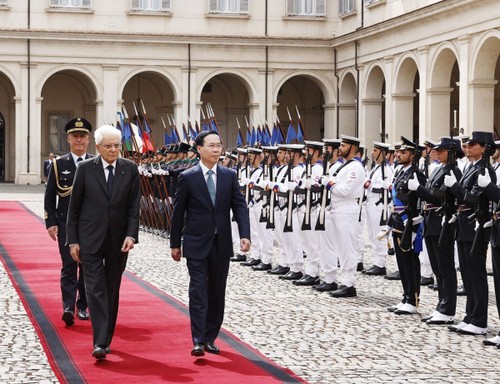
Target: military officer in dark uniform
{"x":406,"y":255}
{"x":473,"y":258}
{"x":56,"y":202}
{"x":440,"y":202}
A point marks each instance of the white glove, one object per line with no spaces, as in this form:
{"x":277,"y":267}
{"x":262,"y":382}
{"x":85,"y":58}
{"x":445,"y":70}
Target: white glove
{"x":244,"y":180}
{"x":325,"y":180}
{"x":483,"y":180}
{"x":262,"y":184}
{"x":283,"y":187}
{"x":307,"y":184}
{"x":291,"y":185}
{"x":450,"y":180}
{"x":413,"y":183}
{"x":386,"y":183}
{"x":384,"y":231}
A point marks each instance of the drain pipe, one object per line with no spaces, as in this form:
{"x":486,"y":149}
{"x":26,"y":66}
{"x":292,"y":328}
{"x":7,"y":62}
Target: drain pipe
{"x":337,"y":111}
{"x":266,"y":98}
{"x":189,"y":79}
{"x":28,"y":125}
{"x":356,"y":130}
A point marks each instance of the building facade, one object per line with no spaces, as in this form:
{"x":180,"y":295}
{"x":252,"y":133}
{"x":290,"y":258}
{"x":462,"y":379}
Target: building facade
{"x":377,"y":69}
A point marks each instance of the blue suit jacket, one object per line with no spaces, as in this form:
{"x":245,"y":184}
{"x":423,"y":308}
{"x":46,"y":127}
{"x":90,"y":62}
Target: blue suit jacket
{"x":203,"y":219}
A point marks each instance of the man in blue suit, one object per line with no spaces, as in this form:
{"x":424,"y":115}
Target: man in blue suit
{"x":205,"y":196}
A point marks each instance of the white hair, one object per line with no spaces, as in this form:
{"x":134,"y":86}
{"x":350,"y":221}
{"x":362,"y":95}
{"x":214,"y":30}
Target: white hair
{"x":106,"y":131}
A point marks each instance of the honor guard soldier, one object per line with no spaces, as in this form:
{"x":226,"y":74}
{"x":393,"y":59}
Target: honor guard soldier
{"x":328,"y":260}
{"x":346,"y":186}
{"x":257,"y":229}
{"x":439,"y":229}
{"x":264,"y":201}
{"x":290,"y":216}
{"x":282,"y":158}
{"x":472,"y":235}
{"x":406,"y":226}
{"x":308,"y":212}
{"x":242,"y":171}
{"x":492,"y":191}
{"x":377,"y":205}
{"x":56,"y":203}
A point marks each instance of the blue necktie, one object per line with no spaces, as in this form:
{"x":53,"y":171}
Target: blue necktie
{"x":111,"y":176}
{"x":211,"y":185}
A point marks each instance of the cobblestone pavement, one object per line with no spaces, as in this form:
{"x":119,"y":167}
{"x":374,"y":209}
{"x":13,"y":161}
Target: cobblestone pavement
{"x":321,"y":339}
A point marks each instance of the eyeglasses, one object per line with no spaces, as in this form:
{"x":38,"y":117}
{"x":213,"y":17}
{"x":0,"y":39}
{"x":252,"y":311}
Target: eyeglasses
{"x":109,"y":146}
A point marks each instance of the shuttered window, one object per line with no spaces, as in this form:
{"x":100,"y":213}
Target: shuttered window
{"x":70,"y":3}
{"x":306,"y":7}
{"x":228,"y":6}
{"x":151,"y":5}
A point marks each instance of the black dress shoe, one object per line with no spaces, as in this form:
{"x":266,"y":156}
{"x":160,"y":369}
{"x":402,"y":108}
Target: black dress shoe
{"x":198,"y":349}
{"x":262,"y":267}
{"x":68,"y":317}
{"x":251,"y":262}
{"x":326,"y":287}
{"x":99,"y":352}
{"x":461,"y":291}
{"x":344,"y":291}
{"x":238,"y":257}
{"x":426,"y":280}
{"x":360,"y":267}
{"x":82,"y":314}
{"x":393,"y":276}
{"x":279,"y":270}
{"x":307,"y":280}
{"x":107,"y":350}
{"x":210,"y":347}
{"x":375,"y":271}
{"x":292,"y":276}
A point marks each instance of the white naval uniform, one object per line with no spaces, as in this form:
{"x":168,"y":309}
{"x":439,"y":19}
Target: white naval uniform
{"x":310,"y":238}
{"x":345,"y":194}
{"x":278,"y":217}
{"x":234,"y":225}
{"x":328,"y":260}
{"x":374,"y":212}
{"x":254,"y":210}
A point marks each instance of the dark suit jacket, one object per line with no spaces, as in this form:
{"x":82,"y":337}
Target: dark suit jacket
{"x":92,"y":212}
{"x":192,"y":200}
{"x":66,"y":169}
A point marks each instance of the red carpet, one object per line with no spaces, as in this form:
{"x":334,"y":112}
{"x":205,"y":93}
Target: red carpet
{"x":152,"y":338}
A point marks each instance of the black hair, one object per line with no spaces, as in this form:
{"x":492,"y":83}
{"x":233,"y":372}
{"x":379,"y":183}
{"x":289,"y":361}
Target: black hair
{"x":198,"y":140}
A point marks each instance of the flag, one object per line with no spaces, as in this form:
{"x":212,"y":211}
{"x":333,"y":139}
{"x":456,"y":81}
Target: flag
{"x":290,"y":134}
{"x":253,"y":139}
{"x":239,"y":139}
{"x":146,"y":137}
{"x":300,"y":132}
{"x":167,"y":138}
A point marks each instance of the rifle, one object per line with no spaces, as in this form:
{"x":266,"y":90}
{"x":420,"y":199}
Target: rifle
{"x":411,"y":210}
{"x":385,"y":197}
{"x":320,"y":222}
{"x":288,"y":224}
{"x":272,"y":199}
{"x":264,"y":212}
{"x":306,"y":222}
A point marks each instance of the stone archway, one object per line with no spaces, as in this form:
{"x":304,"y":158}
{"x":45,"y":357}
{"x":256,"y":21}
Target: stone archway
{"x":347,"y":105}
{"x":65,"y":94}
{"x":7,"y":130}
{"x":373,"y":105}
{"x":405,"y":101}
{"x":156,"y":93}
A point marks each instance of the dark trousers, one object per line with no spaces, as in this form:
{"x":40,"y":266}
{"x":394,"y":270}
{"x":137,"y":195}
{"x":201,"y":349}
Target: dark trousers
{"x":72,"y":279}
{"x":495,"y":259}
{"x":207,"y":291}
{"x":409,"y":271}
{"x":474,"y":276}
{"x":443,"y":265}
{"x":103,"y":275}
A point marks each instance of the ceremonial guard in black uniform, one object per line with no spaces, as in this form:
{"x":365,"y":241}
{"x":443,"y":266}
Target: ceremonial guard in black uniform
{"x":56,"y":203}
{"x":439,"y":238}
{"x":472,"y":236}
{"x":406,"y":228}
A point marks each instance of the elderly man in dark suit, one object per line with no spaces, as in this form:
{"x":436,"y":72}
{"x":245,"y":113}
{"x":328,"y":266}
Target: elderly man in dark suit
{"x":102,"y":227}
{"x":56,"y":202}
{"x":205,"y":196}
